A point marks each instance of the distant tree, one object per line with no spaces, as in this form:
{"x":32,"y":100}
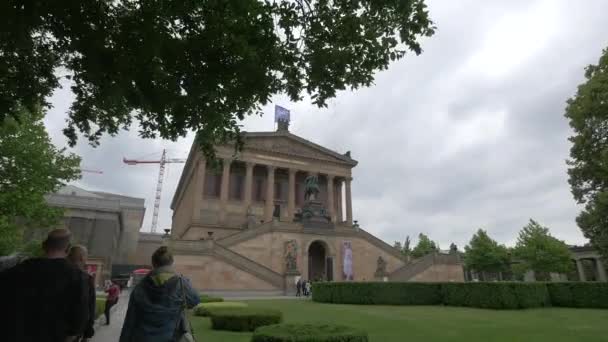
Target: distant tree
{"x":587,"y":112}
{"x":397,"y":246}
{"x":407,"y":249}
{"x":540,"y":252}
{"x":483,"y":254}
{"x":180,"y":66}
{"x":30,"y":167}
{"x":425,"y":246}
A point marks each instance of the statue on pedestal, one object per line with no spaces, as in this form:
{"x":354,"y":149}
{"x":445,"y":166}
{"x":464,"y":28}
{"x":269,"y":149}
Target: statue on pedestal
{"x":380,"y":268}
{"x":311,"y":189}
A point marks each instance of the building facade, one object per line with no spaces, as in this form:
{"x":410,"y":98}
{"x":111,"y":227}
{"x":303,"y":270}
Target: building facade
{"x":246,"y":224}
{"x":107,"y":224}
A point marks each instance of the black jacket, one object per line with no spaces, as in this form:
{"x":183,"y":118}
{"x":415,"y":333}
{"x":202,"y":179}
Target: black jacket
{"x":48,"y":300}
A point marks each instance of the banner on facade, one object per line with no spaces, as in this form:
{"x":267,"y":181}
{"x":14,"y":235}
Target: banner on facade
{"x":347,"y":260}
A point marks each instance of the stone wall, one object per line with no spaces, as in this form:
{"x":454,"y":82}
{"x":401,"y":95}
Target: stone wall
{"x":268,"y":250}
{"x":209,"y":273}
{"x":441,"y":273}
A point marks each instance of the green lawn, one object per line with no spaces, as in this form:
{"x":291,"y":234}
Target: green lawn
{"x":434,"y":323}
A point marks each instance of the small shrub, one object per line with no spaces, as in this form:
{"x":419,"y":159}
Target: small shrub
{"x":211,"y":299}
{"x":100,"y":306}
{"x":308,"y":333}
{"x":243,"y":319}
{"x":204,"y":308}
{"x":579,"y":294}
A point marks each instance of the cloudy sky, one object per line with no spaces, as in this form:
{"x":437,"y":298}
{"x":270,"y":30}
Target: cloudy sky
{"x":470,"y":134}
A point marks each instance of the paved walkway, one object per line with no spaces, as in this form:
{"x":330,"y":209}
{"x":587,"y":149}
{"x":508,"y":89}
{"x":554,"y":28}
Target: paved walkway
{"x":111,"y":333}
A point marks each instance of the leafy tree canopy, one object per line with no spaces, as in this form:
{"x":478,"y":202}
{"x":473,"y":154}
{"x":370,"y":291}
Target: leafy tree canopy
{"x":587,"y":112}
{"x":30,"y":167}
{"x":425,"y":246}
{"x":539,"y":251}
{"x":484,"y":254}
{"x":177,"y":66}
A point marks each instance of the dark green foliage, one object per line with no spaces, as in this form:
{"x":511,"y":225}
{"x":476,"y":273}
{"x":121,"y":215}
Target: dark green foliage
{"x":204,"y":309}
{"x":308,"y":333}
{"x":579,"y":294}
{"x":243,"y":319}
{"x":180,"y":66}
{"x":30,"y":168}
{"x":389,"y":293}
{"x":211,"y":299}
{"x":425,"y":246}
{"x":539,"y":251}
{"x":587,"y":112}
{"x":495,"y":295}
{"x":483,"y":254}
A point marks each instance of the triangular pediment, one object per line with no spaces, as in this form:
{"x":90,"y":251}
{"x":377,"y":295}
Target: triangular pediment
{"x":292,"y":145}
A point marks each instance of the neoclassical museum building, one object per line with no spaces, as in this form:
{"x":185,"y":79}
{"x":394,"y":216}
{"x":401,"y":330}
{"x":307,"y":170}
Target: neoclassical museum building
{"x":248,"y":224}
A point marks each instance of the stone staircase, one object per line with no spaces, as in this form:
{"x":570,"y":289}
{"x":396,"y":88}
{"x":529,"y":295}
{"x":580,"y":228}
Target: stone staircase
{"x":239,"y":261}
{"x":417,"y":266}
{"x":411,"y":269}
{"x":216,"y":249}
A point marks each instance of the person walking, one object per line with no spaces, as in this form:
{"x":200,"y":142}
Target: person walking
{"x":299,"y":288}
{"x":78,"y":256}
{"x":156,"y":307}
{"x":308,"y":288}
{"x":45,"y":299}
{"x":113,"y":292}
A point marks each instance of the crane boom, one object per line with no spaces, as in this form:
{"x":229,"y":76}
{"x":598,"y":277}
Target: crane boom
{"x":159,"y":184}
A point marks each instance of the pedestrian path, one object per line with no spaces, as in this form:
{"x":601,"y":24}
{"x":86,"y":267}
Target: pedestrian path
{"x":111,"y":333}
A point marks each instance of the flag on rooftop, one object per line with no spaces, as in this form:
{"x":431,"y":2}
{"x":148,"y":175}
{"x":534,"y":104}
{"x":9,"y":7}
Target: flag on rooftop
{"x":281,"y":114}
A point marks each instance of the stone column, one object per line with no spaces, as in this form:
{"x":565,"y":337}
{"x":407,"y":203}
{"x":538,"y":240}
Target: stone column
{"x":269,"y":195}
{"x":601,"y":271}
{"x":199,"y":187}
{"x":339,"y":215}
{"x":248,"y":183}
{"x":330,"y":198}
{"x":224,"y":189}
{"x":291,"y":195}
{"x":349,"y":203}
{"x":581,"y":270}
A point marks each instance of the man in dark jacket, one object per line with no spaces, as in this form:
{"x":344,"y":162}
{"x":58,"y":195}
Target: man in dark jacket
{"x":155,"y":306}
{"x":78,"y":255}
{"x":48,"y":297}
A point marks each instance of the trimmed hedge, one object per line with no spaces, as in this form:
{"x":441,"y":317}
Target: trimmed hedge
{"x":211,"y":299}
{"x":308,"y":333}
{"x":243,"y":319}
{"x":494,"y":295}
{"x":498,"y":295}
{"x":579,"y":295}
{"x":378,"y":293}
{"x":203,"y":309}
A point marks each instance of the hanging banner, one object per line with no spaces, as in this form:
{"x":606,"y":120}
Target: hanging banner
{"x":347,"y":260}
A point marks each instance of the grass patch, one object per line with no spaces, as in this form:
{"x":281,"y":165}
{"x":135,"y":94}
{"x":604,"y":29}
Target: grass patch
{"x":432,"y":323}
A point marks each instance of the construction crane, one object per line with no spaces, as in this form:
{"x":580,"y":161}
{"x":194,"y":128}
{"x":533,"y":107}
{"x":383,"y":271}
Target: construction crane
{"x":92,"y":171}
{"x":159,"y":185}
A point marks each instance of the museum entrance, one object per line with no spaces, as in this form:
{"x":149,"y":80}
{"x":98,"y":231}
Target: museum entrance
{"x":320,"y":265}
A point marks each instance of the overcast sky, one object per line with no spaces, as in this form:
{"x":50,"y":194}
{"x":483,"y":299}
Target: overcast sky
{"x":468,"y":135}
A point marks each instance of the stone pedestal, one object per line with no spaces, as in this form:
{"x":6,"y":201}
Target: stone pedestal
{"x":291,"y":278}
{"x":314,"y":215}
